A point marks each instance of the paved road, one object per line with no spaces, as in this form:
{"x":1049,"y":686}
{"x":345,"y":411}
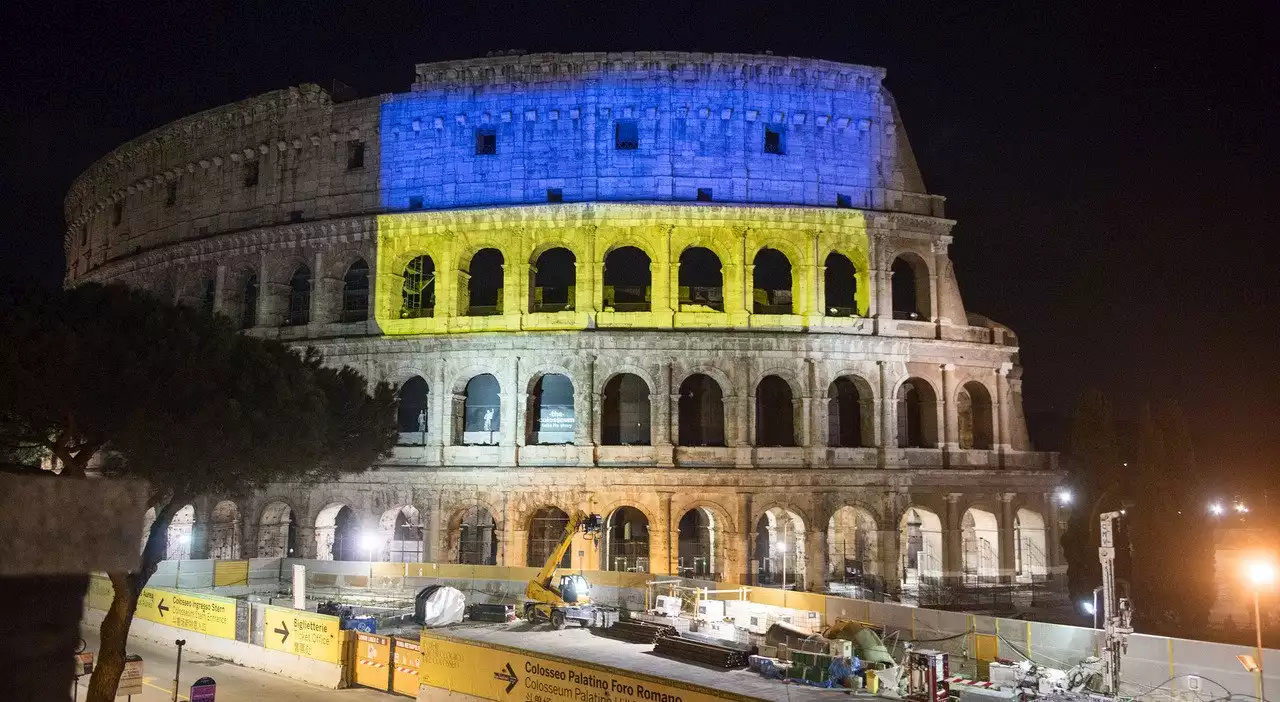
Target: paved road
{"x":235,"y":684}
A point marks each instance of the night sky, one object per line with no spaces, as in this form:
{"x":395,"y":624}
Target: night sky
{"x":1114,"y":175}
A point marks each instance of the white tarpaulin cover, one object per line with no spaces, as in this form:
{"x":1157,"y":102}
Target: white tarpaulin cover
{"x":444,"y":606}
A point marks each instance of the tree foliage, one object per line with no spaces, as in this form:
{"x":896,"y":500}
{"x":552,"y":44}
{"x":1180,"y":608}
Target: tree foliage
{"x":1093,"y":459}
{"x":110,"y":380}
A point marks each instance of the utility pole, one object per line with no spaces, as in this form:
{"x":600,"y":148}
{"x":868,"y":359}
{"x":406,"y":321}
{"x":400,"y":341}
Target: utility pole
{"x":1117,"y":613}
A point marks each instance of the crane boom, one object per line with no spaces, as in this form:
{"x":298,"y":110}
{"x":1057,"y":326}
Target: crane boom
{"x":548,"y":571}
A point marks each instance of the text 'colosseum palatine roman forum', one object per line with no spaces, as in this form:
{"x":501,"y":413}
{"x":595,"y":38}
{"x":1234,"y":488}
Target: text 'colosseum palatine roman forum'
{"x":706,"y":296}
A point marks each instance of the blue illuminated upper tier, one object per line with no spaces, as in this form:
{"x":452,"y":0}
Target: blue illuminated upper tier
{"x":647,"y":126}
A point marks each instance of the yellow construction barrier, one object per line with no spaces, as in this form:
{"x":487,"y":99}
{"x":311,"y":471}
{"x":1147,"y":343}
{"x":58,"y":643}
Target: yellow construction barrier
{"x":372,"y":661}
{"x":302,"y":633}
{"x":495,"y":672}
{"x":406,"y":660}
{"x":230,"y":573}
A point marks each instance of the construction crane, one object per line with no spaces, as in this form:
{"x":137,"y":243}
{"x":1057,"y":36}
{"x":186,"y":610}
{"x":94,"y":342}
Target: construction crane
{"x":568,"y":599}
{"x":1117,"y":612}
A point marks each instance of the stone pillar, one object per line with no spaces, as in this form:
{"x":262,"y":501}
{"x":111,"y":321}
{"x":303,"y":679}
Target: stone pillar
{"x":306,"y":541}
{"x":889,"y":542}
{"x":661,"y":409}
{"x":887,"y":437}
{"x":952,"y":553}
{"x":882,"y":297}
{"x":439,"y":410}
{"x":266,"y":293}
{"x":746,"y":537}
{"x":950,"y":438}
{"x":815,"y":545}
{"x":220,"y":298}
{"x":1006,"y":552}
{"x":750,"y":422}
{"x":1053,"y":538}
{"x":801,"y":408}
{"x":1002,"y":411}
{"x":521,"y":420}
{"x":320,"y":291}
{"x":669,"y":542}
{"x":939,"y":250}
{"x":455,"y":422}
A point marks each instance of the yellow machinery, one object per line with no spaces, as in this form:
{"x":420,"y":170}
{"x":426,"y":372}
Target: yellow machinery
{"x":569,"y":599}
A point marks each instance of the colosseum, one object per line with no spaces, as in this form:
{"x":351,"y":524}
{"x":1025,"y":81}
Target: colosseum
{"x":704,"y":295}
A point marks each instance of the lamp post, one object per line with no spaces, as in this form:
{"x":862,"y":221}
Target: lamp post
{"x":1262,"y":574}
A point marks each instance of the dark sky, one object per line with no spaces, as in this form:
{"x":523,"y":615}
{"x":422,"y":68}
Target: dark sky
{"x":1114,"y":173}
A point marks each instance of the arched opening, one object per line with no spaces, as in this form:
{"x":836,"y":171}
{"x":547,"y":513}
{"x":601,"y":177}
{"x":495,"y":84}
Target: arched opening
{"x":355,"y":292}
{"x":475,"y":535}
{"x":418,"y":296}
{"x":973,"y":417}
{"x":626,"y":546}
{"x":411,"y":412}
{"x":849,"y":422}
{"x":551,"y":416}
{"x":697,"y":544}
{"x":482,"y":411}
{"x":338,"y":535}
{"x":779,"y":549}
{"x":1031,"y":562}
{"x":853,"y":553}
{"x":249,"y":302}
{"x":628,"y":281}
{"x":917,"y":415}
{"x":625,"y":414}
{"x":554,"y":278}
{"x":224,"y":531}
{"x":771,"y":283}
{"x":920,"y":533}
{"x":483,"y":284}
{"x":910,"y":282}
{"x":277,"y":532}
{"x":208,"y":296}
{"x":775,"y":413}
{"x":840,"y":286}
{"x":181,"y":528}
{"x":546,"y":529}
{"x":701,"y":281}
{"x":299,"y":310}
{"x":979,"y":547}
{"x":701,"y":412}
{"x":401,"y":535}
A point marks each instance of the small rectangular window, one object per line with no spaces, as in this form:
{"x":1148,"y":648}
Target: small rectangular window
{"x":486,"y":141}
{"x":843,"y":200}
{"x":704,"y":194}
{"x":773,"y":142}
{"x":171,"y":194}
{"x":626,"y":135}
{"x":295,"y":215}
{"x":555,"y":195}
{"x":415,"y":202}
{"x":355,"y":154}
{"x":250,"y":174}
{"x":117,"y":213}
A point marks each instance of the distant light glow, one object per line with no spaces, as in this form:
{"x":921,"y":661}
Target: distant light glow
{"x":1088,"y":607}
{"x":782,"y":547}
{"x":1241,"y":507}
{"x":185,"y":538}
{"x":1065,"y":496}
{"x":368,"y":540}
{"x":1216,"y":508}
{"x":1261,"y":573}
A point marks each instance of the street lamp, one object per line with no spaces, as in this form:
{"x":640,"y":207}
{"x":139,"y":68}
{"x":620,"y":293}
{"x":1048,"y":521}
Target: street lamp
{"x":1262,"y":573}
{"x":1216,"y":509}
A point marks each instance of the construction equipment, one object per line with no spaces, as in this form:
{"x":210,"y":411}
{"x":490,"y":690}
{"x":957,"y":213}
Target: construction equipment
{"x":1117,"y":613}
{"x":567,"y":599}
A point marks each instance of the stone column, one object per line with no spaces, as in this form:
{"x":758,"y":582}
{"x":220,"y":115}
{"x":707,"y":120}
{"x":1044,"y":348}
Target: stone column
{"x":1005,"y":519}
{"x":439,"y":410}
{"x":888,"y":435}
{"x":889,"y":542}
{"x":952,"y":552}
{"x":306,"y":541}
{"x":882,"y":297}
{"x":668,"y":542}
{"x":266,"y":293}
{"x":750,"y":421}
{"x":1053,"y":537}
{"x":220,"y":298}
{"x":456,"y":422}
{"x":801,"y":410}
{"x":520,"y":421}
{"x":950,"y":438}
{"x":939,"y":256}
{"x":321,"y":291}
{"x":1002,"y":411}
{"x":746,"y":537}
{"x":815,"y":545}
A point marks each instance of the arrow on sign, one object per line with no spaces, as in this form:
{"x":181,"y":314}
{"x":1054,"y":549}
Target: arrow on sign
{"x":510,"y":676}
{"x":283,"y":631}
{"x":161,"y":607}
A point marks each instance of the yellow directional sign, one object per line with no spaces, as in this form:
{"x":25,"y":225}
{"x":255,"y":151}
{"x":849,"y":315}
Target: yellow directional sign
{"x":205,"y":614}
{"x":302,"y":633}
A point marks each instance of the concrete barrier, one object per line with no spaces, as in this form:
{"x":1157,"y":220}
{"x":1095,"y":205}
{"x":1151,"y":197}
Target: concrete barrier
{"x":241,"y":653}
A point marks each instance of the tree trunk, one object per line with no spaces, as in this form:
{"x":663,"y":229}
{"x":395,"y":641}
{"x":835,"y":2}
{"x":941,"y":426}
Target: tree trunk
{"x":114,"y":637}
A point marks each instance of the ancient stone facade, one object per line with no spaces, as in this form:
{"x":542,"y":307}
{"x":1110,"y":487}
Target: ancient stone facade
{"x":706,"y":296}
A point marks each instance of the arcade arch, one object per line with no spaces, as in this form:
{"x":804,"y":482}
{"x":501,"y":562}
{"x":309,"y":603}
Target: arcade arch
{"x":840,"y":286}
{"x":551,"y":412}
{"x":546,"y":529}
{"x":626,"y":541}
{"x":224,"y":531}
{"x":780,"y":549}
{"x":1030,"y":560}
{"x":411,"y":411}
{"x":701,"y":410}
{"x":481,"y":411}
{"x":277,"y":532}
{"x":701,"y":280}
{"x":974,"y":417}
{"x":917,"y":415}
{"x":853,"y":551}
{"x":355,"y":292}
{"x":482,"y":281}
{"x":624,"y":415}
{"x":910,"y":288}
{"x":418,"y":296}
{"x":337,"y":534}
{"x":181,"y":528}
{"x":920,"y":534}
{"x":771,"y":291}
{"x":554,"y":279}
{"x":850,"y":414}
{"x":628,"y":280}
{"x":775,"y":413}
{"x":475,"y":537}
{"x":697,"y":544}
{"x":401,"y":535}
{"x":979,"y":547}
